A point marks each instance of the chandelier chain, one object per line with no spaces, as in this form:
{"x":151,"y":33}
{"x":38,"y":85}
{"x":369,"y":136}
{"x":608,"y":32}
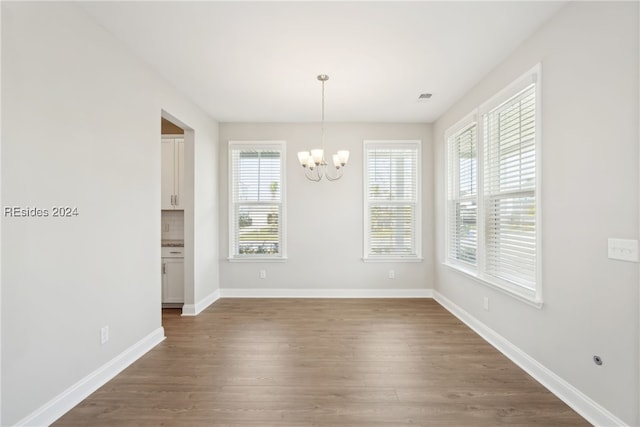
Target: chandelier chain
{"x":322,"y":138}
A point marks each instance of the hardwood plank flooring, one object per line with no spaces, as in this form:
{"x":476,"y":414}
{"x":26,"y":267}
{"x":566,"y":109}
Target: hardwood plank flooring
{"x":324,"y":362}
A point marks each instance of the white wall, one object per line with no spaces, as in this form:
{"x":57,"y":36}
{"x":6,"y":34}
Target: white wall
{"x":81,"y":127}
{"x":325,"y":219}
{"x":589,"y":56}
{"x":206,"y":206}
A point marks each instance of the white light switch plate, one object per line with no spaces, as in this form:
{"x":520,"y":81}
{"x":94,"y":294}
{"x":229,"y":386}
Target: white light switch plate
{"x":623,"y":249}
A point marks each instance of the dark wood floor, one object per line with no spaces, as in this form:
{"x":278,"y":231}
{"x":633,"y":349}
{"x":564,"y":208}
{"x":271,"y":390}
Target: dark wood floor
{"x":326,"y":362}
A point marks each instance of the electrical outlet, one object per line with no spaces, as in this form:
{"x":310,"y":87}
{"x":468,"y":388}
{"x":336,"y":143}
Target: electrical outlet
{"x":165,"y":226}
{"x":392,"y":274}
{"x":485,"y":303}
{"x":263,"y":274}
{"x":104,"y":334}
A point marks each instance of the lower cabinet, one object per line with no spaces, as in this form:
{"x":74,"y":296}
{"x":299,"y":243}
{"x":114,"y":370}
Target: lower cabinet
{"x":172,"y":280}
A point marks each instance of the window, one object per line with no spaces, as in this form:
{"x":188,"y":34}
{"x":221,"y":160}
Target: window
{"x":256,"y":194}
{"x":463,"y":193}
{"x":509,"y":189}
{"x":493,"y":225}
{"x":392,"y":208}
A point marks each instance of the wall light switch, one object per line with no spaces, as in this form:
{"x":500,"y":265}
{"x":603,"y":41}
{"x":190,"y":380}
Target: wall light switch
{"x":623,"y":249}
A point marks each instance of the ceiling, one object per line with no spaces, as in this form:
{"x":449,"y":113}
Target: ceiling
{"x":258,"y":61}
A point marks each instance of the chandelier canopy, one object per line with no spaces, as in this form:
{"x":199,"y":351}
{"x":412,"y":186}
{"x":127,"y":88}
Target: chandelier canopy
{"x":313,"y":162}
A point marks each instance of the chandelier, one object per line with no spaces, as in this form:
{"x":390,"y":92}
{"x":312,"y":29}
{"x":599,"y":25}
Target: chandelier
{"x":313,"y":162}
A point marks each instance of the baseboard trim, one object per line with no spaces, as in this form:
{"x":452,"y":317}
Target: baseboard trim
{"x":578,"y":401}
{"x":195,"y":309}
{"x":55,"y":408}
{"x":325,"y":293}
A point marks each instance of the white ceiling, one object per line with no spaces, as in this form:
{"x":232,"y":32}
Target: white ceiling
{"x":258,"y":61}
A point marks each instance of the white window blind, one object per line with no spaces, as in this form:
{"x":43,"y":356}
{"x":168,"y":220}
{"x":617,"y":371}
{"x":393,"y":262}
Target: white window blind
{"x":257,"y":199}
{"x":462,"y":206}
{"x":391,"y":198}
{"x":510,"y":189}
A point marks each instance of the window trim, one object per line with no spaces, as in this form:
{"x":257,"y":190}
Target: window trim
{"x":519,"y":292}
{"x":281,"y":146}
{"x":388,"y":143}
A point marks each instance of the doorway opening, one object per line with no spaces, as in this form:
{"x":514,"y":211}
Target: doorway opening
{"x":176,"y":214}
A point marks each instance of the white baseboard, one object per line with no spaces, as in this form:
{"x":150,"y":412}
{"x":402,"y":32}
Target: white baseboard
{"x":59,"y":405}
{"x":325,"y":293}
{"x":578,"y":401}
{"x":195,"y":309}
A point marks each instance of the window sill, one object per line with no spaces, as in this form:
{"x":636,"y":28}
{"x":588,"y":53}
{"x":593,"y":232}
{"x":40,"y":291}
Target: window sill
{"x":257,"y":259}
{"x":514,"y":291}
{"x":391,"y":259}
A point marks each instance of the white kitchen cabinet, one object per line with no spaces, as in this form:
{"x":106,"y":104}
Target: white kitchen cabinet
{"x":172,"y":280}
{"x":172,"y":172}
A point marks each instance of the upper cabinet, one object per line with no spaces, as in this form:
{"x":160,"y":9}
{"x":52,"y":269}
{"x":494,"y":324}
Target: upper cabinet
{"x":172,"y":172}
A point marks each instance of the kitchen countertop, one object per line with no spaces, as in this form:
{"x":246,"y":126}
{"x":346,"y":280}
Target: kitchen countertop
{"x":173,"y":243}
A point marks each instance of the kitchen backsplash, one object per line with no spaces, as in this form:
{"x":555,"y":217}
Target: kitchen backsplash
{"x":172,"y":225}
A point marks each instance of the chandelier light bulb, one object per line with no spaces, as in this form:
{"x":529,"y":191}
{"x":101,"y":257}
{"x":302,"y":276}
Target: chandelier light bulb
{"x":303,"y":157}
{"x":336,"y":161}
{"x":318,"y":155}
{"x":343,"y":155}
{"x":310,"y":163}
